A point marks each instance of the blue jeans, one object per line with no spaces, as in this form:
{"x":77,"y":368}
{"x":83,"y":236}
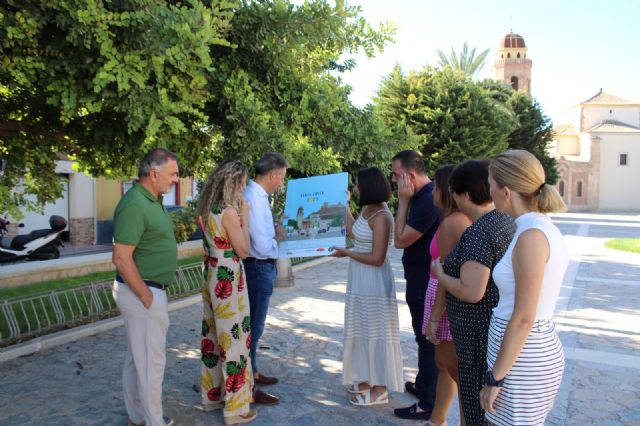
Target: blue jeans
{"x":260,"y":279}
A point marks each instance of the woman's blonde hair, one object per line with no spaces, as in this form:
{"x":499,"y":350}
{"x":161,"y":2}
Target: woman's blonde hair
{"x":520,"y":171}
{"x":221,"y":187}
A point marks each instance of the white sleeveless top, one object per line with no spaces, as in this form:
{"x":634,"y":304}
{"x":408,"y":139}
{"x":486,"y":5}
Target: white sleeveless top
{"x":553,"y":272}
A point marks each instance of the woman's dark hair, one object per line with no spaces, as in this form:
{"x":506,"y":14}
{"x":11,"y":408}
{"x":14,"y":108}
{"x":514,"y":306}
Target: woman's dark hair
{"x":373,"y":186}
{"x":441,"y":180}
{"x":472,"y":177}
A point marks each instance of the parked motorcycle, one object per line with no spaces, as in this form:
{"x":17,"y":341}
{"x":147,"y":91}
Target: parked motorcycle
{"x":41,"y":244}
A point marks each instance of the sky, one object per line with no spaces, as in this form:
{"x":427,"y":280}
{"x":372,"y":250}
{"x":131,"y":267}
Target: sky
{"x":577,"y":47}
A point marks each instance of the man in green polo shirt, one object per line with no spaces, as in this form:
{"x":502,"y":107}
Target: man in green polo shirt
{"x":145,"y":255}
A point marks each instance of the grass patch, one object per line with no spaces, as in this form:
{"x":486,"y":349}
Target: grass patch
{"x":625,"y":244}
{"x":67,"y":283}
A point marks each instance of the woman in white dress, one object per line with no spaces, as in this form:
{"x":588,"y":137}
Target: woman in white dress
{"x":524,"y":357}
{"x":372,"y":362}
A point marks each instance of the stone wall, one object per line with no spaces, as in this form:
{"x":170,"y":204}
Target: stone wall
{"x":82,"y":231}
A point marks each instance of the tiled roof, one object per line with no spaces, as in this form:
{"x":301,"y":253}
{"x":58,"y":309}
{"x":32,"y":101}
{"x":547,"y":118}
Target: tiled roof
{"x":512,"y":41}
{"x":614,"y":126}
{"x":608,"y":99}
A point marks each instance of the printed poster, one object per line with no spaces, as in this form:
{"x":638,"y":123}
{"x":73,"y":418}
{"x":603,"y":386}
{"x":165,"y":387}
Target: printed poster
{"x":314,"y":215}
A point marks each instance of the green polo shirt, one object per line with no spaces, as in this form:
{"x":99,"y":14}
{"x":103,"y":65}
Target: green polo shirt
{"x":141,"y":220}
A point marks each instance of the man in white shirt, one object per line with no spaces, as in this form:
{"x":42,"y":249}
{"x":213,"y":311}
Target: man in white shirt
{"x":260,"y":266}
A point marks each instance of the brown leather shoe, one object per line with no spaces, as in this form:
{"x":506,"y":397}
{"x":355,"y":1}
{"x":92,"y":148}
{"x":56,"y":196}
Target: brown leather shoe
{"x":265,"y":380}
{"x":261,"y":397}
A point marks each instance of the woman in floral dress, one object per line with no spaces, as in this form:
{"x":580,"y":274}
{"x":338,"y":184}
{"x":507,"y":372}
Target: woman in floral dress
{"x":226,"y":378}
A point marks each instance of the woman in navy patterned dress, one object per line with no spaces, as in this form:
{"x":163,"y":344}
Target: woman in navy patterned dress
{"x":466,"y":276}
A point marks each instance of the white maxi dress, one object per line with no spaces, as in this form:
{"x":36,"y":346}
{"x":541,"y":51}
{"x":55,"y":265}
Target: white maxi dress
{"x":371,"y":332}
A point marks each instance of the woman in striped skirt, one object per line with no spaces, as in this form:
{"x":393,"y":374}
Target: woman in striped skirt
{"x":372,"y":358}
{"x":524,"y":357}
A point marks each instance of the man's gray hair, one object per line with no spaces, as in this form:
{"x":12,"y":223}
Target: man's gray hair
{"x":154,"y":159}
{"x":269,"y":162}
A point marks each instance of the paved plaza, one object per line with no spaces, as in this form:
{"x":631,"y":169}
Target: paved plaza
{"x":78,"y":383}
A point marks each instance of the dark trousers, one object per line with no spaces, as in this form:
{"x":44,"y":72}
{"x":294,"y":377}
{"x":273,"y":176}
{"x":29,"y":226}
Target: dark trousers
{"x":417,"y":277}
{"x":260,"y":279}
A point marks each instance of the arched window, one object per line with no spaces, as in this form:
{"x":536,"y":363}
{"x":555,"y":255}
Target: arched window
{"x":502,"y":56}
{"x":561,"y":188}
{"x":508,"y":55}
{"x":514,"y":82}
{"x":518,"y":55}
{"x":579,"y":189}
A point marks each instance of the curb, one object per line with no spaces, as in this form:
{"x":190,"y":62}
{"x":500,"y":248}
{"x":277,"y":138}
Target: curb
{"x":39,"y":344}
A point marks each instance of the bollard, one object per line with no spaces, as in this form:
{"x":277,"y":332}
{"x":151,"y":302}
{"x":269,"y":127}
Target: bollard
{"x":284,"y":278}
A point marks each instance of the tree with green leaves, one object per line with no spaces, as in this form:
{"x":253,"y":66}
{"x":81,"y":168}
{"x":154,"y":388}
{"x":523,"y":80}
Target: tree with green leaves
{"x":101,"y":82}
{"x":466,"y":61}
{"x":533,"y":133}
{"x":279,"y":89}
{"x":449,"y":117}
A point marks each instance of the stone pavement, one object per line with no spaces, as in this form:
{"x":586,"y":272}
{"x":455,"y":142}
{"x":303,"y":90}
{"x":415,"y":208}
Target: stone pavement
{"x":79,"y":383}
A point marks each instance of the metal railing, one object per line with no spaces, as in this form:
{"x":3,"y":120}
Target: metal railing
{"x":23,"y":318}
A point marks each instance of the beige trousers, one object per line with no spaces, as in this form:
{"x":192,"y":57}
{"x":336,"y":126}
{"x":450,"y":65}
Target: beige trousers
{"x":144,"y":362}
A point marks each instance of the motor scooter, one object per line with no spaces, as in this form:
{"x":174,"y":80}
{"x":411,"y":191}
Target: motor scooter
{"x":41,"y":244}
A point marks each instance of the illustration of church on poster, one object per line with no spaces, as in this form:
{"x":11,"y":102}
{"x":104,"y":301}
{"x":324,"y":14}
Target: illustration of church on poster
{"x":314,"y":215}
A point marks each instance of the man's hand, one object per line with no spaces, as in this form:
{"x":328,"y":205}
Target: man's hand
{"x":281,"y":234}
{"x":122,"y":258}
{"x":147,"y":298}
{"x":406,"y":189}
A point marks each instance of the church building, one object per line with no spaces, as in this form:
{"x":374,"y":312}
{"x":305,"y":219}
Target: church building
{"x":598,"y":148}
{"x":598,"y":154}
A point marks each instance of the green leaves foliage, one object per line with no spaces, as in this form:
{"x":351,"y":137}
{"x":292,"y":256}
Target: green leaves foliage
{"x":534,"y":133}
{"x":101,"y":82}
{"x":466,"y":61}
{"x":451,"y":117}
{"x":279,"y":85}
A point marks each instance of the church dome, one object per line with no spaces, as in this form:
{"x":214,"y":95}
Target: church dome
{"x":512,"y":41}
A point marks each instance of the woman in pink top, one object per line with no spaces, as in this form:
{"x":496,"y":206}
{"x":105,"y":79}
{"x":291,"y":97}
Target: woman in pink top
{"x":436,"y":324}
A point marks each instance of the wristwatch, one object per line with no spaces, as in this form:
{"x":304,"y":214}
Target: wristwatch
{"x":489,"y":380}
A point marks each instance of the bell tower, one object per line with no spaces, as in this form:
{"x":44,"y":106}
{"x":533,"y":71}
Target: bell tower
{"x":512,"y":65}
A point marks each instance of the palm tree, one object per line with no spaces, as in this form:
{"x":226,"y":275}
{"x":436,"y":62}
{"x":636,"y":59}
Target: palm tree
{"x":466,"y":61}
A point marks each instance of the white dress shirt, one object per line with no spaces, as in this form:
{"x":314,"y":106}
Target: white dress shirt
{"x":261,"y":227}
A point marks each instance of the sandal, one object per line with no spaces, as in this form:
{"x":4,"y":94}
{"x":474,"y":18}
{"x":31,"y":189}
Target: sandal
{"x":241,"y":418}
{"x":363,"y":399}
{"x":355,"y":387}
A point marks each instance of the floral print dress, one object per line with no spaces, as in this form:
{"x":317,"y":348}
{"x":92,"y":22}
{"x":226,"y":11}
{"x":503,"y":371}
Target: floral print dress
{"x":226,"y":375}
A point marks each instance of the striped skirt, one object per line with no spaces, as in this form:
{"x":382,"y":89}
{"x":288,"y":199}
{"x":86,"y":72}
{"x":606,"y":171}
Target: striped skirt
{"x":372,"y":351}
{"x":533,"y":382}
